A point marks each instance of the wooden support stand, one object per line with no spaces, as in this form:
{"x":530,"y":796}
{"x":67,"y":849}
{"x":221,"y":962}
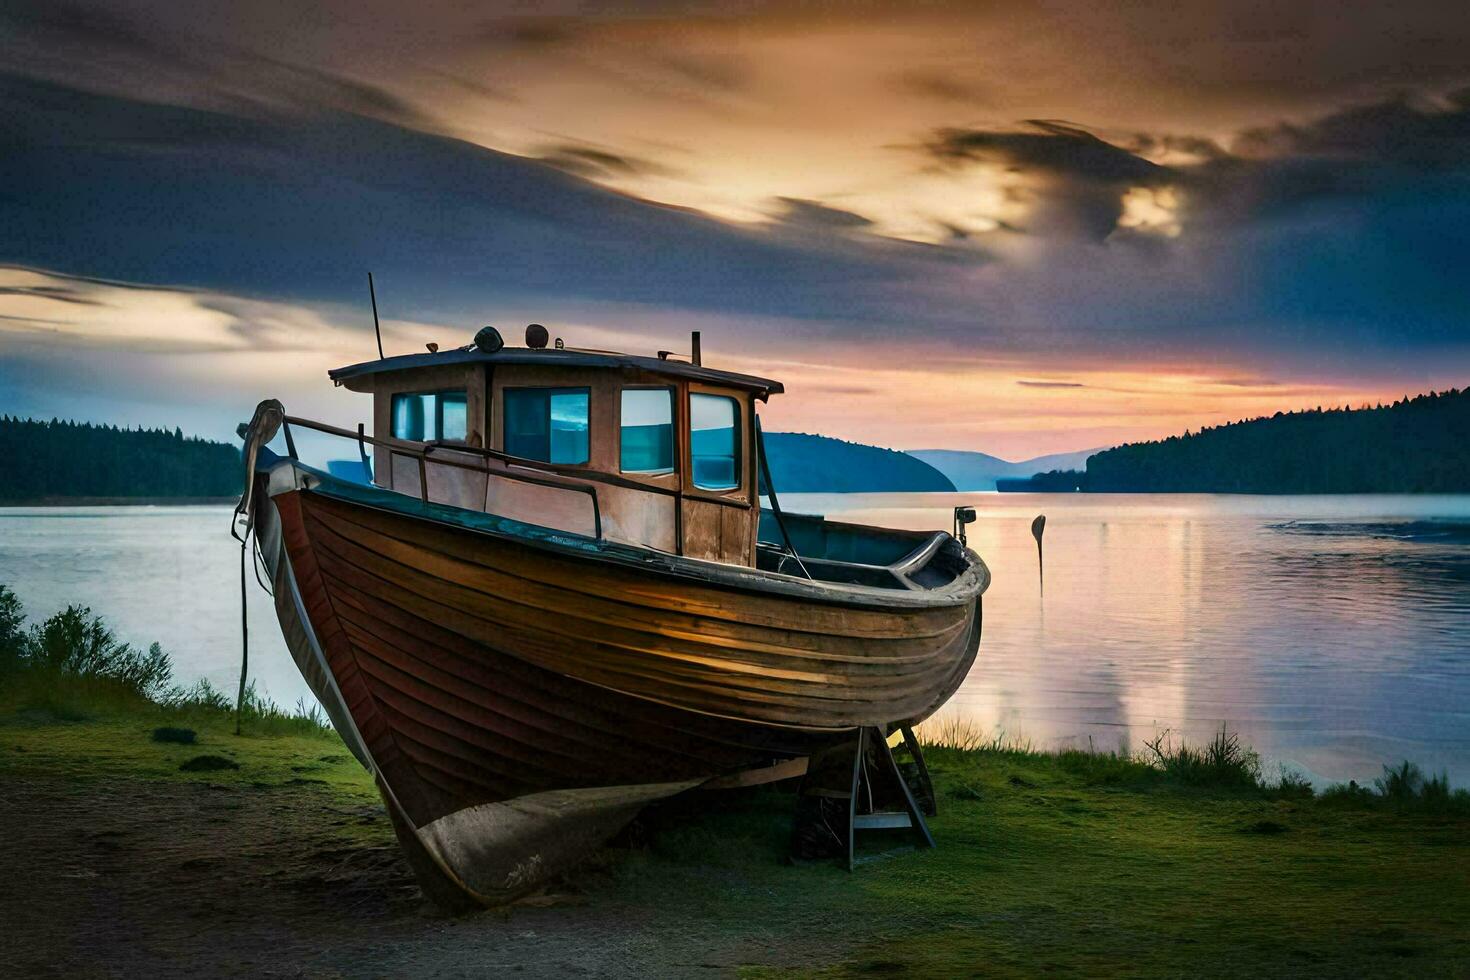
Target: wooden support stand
{"x":856,"y":787}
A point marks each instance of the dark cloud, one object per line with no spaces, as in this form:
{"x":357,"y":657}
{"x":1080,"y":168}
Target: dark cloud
{"x":1051,"y":384}
{"x":1376,"y":156}
{"x":61,"y":294}
{"x":1048,"y":147}
{"x":1399,"y":131}
{"x":813,"y":214}
{"x":1377,"y":152}
{"x":1080,"y":179}
{"x":104,"y":50}
{"x":594,"y":162}
{"x":298,"y":208}
{"x":1342,"y":246}
{"x":1147,"y":144}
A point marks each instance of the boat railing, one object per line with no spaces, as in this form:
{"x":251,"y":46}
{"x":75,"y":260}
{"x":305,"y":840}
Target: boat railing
{"x":546,"y":474}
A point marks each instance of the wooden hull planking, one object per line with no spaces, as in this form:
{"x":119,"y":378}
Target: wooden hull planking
{"x":519,"y":706}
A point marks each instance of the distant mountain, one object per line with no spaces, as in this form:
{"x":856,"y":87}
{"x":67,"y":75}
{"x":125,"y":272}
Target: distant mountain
{"x":979,"y":471}
{"x":802,"y":463}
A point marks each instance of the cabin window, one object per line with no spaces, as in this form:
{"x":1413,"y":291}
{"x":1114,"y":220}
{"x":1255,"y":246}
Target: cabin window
{"x":430,"y":416}
{"x":547,"y":424}
{"x":646,"y":430}
{"x":714,"y":441}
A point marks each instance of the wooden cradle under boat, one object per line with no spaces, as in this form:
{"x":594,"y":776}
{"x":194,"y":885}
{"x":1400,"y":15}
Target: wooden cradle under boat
{"x":521,"y":680}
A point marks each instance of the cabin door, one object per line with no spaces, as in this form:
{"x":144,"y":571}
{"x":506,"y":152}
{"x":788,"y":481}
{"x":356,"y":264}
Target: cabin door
{"x":716,"y":517}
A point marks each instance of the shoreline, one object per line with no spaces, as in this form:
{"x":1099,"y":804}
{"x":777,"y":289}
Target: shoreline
{"x":119,"y":502}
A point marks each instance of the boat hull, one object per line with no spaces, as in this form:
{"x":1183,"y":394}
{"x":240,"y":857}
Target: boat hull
{"x":518,"y":704}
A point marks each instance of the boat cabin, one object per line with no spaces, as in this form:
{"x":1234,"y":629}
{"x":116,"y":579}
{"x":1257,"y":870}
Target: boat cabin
{"x":658,"y":452}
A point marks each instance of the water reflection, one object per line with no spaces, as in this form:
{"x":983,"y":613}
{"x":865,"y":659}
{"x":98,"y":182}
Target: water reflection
{"x":1333,"y":632}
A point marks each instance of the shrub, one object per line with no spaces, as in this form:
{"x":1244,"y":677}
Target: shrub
{"x":203,"y":696}
{"x":1293,"y":786}
{"x":12,"y":631}
{"x":1224,"y":763}
{"x":73,"y":667}
{"x":258,"y":713}
{"x":1349,"y":792}
{"x":1407,"y":788}
{"x":74,"y":642}
{"x":1400,"y":784}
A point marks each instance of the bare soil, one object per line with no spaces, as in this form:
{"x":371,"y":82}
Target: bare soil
{"x":142,"y":879}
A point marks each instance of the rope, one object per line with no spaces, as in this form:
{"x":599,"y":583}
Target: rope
{"x":244,"y":640}
{"x":258,"y":565}
{"x":269,"y":417}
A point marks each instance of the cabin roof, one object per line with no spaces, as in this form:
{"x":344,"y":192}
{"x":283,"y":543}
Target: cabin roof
{"x":568,"y":357}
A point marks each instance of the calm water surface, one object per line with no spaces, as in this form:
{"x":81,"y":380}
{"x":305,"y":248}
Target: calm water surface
{"x":1332,"y":632}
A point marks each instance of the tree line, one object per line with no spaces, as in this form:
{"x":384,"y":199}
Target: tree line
{"x":1415,"y":445}
{"x":59,"y":459}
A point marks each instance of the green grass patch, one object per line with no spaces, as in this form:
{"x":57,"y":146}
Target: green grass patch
{"x":1046,"y":863}
{"x":123,"y":747}
{"x":1063,"y":867}
{"x":1177,"y":860}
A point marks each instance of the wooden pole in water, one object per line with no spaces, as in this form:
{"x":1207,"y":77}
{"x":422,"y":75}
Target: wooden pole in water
{"x":1037,"y":527}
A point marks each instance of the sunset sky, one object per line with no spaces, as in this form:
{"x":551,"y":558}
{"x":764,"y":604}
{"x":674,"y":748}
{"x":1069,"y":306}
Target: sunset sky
{"x":1015,"y":228}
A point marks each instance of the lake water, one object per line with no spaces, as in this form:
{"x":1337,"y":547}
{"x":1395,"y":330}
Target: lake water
{"x":1332,"y":632}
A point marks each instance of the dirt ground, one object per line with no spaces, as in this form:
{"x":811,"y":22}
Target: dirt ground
{"x":125,"y":856}
{"x":132,"y":879}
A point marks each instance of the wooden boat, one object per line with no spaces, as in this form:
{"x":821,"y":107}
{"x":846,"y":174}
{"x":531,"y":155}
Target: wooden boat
{"x":557,"y":598}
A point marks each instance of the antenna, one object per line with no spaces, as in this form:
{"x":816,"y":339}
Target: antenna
{"x":377,"y":330}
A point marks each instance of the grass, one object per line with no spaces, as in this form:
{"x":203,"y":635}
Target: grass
{"x":1176,"y":859}
{"x":112,"y":745}
{"x":1053,"y":863}
{"x":1071,"y":863}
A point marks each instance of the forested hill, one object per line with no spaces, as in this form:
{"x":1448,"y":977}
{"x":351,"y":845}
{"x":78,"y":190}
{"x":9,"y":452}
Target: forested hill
{"x":77,"y":459}
{"x":1417,"y":445}
{"x":802,"y":463}
{"x":58,"y":460}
